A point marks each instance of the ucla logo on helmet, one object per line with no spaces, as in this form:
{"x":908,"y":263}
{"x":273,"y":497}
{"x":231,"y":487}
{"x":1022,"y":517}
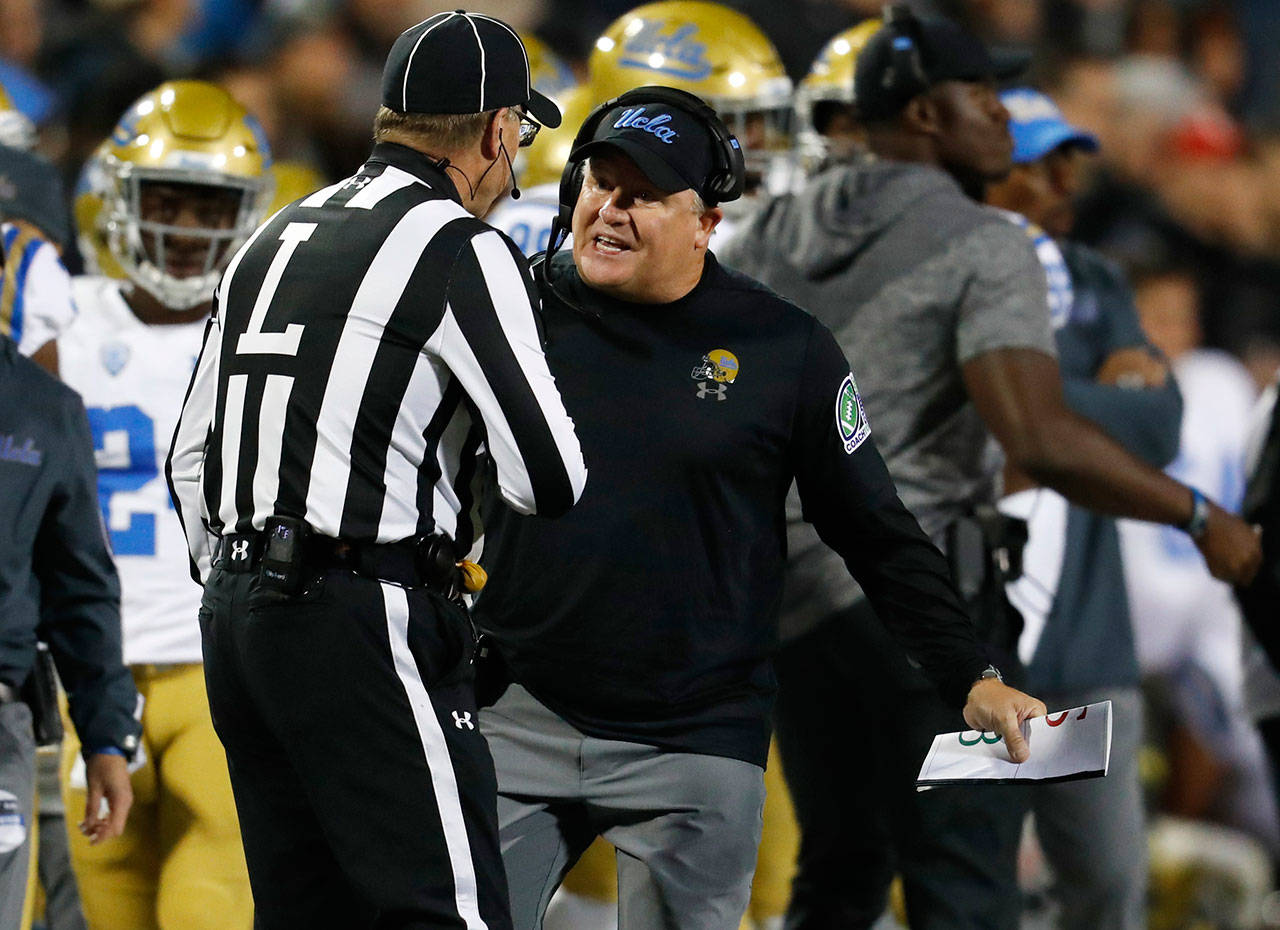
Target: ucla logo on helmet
{"x":678,"y":54}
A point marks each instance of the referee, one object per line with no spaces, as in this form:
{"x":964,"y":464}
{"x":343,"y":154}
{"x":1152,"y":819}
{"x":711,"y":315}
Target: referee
{"x":365,"y":345}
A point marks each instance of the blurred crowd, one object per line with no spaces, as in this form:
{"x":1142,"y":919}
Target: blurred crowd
{"x":1182,"y":94}
{"x":1184,"y":99}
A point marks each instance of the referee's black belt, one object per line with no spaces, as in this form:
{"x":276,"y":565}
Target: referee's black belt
{"x":427,"y":561}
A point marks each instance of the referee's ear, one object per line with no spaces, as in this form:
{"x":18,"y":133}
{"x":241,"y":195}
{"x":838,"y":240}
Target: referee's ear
{"x":497,"y":132}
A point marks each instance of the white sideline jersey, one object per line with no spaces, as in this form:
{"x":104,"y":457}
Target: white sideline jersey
{"x":133,"y":378}
{"x":1179,"y":610}
{"x":527,"y":221}
{"x":35,"y":290}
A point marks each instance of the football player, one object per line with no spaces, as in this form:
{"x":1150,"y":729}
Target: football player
{"x":35,"y":289}
{"x":827,"y":129}
{"x":182,"y":181}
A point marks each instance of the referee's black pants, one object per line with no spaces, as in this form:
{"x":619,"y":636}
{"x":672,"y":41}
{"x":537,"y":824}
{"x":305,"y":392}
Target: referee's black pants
{"x":854,"y":723}
{"x":365,"y":792}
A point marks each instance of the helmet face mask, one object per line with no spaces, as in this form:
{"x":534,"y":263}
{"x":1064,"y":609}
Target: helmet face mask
{"x":179,"y":263}
{"x":183,"y":181}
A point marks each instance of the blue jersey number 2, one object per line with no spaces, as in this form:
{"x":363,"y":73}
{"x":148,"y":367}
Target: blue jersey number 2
{"x":123,"y":467}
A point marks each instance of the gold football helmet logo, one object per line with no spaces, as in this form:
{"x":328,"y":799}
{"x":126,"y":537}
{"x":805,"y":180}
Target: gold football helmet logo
{"x":719,"y":365}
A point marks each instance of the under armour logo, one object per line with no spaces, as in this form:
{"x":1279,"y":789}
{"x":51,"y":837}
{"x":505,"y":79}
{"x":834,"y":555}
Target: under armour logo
{"x":718,"y":392}
{"x":463,"y":719}
{"x":359,"y":181}
{"x":239,"y":550}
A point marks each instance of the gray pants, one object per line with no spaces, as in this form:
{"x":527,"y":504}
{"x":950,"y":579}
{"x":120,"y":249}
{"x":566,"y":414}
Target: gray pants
{"x":17,"y":798}
{"x":1092,"y":831}
{"x":686,"y":826}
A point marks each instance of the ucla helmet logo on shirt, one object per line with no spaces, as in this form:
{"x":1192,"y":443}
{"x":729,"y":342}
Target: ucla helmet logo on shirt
{"x":715,"y":373}
{"x":718,"y":365}
{"x":851,"y":418}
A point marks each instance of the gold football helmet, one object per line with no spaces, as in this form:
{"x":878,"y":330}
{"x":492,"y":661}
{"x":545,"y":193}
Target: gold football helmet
{"x":547,"y":71}
{"x":544,"y":161}
{"x":714,"y":52}
{"x":91,"y":217}
{"x":183,"y":135}
{"x":16,"y":130}
{"x":825,"y":92}
{"x":292,"y":180}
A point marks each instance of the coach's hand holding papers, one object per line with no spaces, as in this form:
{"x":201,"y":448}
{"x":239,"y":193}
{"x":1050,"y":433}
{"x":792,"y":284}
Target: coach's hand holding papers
{"x":1068,"y":744}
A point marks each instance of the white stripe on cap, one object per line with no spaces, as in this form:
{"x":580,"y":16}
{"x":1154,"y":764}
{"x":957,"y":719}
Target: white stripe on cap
{"x":528,"y":68}
{"x":404,"y":91}
{"x":467,"y":17}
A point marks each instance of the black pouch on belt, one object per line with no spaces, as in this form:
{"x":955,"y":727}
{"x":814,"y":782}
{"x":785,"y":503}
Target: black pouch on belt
{"x":283,"y":554}
{"x":40,"y":693}
{"x":984,"y":549}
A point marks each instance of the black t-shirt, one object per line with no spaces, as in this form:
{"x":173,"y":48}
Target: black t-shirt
{"x":648,"y":613}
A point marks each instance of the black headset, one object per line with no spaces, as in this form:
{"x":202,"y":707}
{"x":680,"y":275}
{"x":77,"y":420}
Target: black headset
{"x":905,"y":77}
{"x":728,"y":175}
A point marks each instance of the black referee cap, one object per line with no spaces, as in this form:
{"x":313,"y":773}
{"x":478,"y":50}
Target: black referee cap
{"x":462,"y":62}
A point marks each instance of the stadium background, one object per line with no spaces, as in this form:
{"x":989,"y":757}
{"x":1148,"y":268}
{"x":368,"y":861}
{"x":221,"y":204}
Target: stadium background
{"x":1183,"y":94}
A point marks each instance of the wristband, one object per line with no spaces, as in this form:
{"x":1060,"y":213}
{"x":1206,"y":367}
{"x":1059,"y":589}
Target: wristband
{"x":1199,"y":522}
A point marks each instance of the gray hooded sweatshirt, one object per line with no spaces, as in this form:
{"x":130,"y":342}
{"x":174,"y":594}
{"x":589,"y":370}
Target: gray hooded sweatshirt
{"x":914,"y":279}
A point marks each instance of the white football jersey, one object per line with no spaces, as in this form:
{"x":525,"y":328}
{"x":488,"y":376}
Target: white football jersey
{"x":527,"y":221}
{"x":1179,"y":610}
{"x":35,"y":290}
{"x":133,"y":378}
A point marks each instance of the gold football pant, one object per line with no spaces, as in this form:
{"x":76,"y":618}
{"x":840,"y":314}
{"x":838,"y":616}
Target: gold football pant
{"x":179,"y":864}
{"x":595,"y":874}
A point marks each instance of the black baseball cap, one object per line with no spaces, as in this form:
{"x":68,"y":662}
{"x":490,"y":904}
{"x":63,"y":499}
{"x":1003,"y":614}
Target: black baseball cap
{"x":945,"y":52}
{"x":669,"y":144}
{"x":460,"y":62}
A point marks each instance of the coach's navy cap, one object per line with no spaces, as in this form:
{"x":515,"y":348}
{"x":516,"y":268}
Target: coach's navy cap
{"x":462,"y":62}
{"x":944,"y":50}
{"x":671,"y":146}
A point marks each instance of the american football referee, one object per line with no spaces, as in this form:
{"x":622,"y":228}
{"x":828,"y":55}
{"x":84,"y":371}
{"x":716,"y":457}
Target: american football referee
{"x":640,"y":684}
{"x":365,"y":343}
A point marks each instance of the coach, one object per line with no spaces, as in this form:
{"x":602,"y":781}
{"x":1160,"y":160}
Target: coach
{"x":364,"y":344}
{"x":642,"y":683}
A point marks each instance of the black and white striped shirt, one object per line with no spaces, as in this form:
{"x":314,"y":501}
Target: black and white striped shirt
{"x":365,"y":344}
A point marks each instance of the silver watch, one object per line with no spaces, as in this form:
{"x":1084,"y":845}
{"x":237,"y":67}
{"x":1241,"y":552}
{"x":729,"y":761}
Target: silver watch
{"x":991,"y":672}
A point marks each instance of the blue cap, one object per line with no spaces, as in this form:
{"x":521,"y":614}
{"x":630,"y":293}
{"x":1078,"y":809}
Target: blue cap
{"x":1038,"y":127}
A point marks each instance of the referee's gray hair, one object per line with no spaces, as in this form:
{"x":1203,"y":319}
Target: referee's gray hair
{"x":448,"y":132}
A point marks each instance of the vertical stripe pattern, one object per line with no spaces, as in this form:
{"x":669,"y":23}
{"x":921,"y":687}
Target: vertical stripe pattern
{"x":367,"y":337}
{"x":444,"y":784}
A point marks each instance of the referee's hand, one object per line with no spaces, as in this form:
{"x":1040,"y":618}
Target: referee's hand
{"x":995,"y":707}
{"x":108,"y":780}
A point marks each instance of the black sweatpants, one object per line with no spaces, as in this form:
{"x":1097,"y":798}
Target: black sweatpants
{"x":366,"y":794}
{"x":854,"y":723}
